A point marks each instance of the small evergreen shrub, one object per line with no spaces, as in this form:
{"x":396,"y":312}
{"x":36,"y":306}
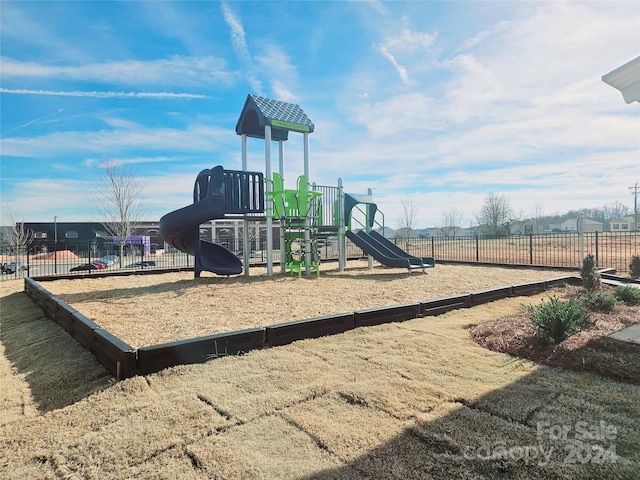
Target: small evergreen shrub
{"x":634,"y":266}
{"x":556,"y":320}
{"x":599,"y":301}
{"x":628,"y":295}
{"x":589,"y":274}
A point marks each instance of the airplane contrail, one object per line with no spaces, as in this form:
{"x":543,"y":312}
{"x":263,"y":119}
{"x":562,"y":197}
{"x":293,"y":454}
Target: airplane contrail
{"x":94,"y":94}
{"x":31,"y":122}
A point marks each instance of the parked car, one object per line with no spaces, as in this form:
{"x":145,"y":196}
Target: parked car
{"x":86,"y":266}
{"x":12,"y":267}
{"x":108,"y":259}
{"x":146,"y":263}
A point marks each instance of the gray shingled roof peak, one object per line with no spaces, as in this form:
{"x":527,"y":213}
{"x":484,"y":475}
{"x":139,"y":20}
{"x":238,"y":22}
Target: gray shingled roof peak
{"x":281,"y":116}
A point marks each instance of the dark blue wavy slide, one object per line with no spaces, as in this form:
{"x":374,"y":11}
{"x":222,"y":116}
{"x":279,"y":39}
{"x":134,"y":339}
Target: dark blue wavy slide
{"x":181,"y":229}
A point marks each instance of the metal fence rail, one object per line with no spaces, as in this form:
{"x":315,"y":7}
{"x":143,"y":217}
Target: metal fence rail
{"x":611,"y":250}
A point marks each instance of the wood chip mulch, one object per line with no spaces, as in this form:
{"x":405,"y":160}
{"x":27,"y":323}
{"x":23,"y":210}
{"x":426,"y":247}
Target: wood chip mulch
{"x":591,"y":350}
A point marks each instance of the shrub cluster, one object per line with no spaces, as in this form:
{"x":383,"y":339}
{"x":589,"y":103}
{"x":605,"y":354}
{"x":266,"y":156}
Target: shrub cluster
{"x":589,"y":273}
{"x":627,"y":295}
{"x":599,"y":301}
{"x":634,"y":266}
{"x":556,"y":320}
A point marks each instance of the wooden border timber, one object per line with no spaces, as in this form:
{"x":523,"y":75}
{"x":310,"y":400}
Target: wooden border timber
{"x":284,"y":333}
{"x":445,"y":304}
{"x":198,"y":350}
{"x":378,"y":316}
{"x":117,"y":356}
{"x":124,"y":361}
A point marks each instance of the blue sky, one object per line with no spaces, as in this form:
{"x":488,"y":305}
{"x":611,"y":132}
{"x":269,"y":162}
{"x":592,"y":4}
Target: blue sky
{"x":434,"y":103}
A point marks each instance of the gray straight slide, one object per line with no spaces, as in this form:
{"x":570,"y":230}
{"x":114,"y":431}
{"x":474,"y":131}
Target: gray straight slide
{"x":427,"y":261}
{"x":383,"y":254}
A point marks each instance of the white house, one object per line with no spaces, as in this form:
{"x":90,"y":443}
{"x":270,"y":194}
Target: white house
{"x":571,"y":225}
{"x":622,"y":224}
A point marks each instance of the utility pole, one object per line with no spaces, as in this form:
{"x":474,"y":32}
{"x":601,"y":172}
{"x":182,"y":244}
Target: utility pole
{"x":634,"y":191}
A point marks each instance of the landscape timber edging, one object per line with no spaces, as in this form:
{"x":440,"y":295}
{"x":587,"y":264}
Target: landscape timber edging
{"x":117,"y":356}
{"x":123,"y":361}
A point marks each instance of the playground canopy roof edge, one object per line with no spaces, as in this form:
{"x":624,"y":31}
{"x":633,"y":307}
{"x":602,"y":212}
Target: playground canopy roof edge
{"x":352,"y":199}
{"x":626,"y":79}
{"x":283,"y":117}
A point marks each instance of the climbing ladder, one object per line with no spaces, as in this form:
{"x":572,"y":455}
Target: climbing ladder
{"x":298,"y":212}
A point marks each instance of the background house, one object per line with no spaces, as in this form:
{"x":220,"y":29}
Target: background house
{"x":623,"y":224}
{"x":571,"y":225}
{"x":386,"y":232}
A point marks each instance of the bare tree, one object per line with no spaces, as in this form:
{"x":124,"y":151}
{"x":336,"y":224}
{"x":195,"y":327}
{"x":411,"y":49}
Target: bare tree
{"x":407,"y":221}
{"x":118,"y":202}
{"x":496,"y":215}
{"x":16,"y":238}
{"x":610,"y":211}
{"x":537,"y":214}
{"x":451,"y":222}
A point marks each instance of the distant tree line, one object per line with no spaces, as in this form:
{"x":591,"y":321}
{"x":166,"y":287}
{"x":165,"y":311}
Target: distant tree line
{"x":497,"y":217}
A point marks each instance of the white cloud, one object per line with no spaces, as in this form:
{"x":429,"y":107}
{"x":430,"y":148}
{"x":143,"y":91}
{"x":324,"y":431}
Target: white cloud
{"x":281,"y":92}
{"x":133,"y":160}
{"x":175,"y":70}
{"x":399,"y":114}
{"x":67,"y":198}
{"x":410,"y":41}
{"x":274,"y":64}
{"x":125,"y":136}
{"x":473,"y":89}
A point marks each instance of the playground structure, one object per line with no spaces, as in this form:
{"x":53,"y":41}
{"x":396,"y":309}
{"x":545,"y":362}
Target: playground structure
{"x":306,"y":215}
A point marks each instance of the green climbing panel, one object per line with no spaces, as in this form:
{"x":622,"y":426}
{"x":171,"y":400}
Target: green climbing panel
{"x":297,"y":211}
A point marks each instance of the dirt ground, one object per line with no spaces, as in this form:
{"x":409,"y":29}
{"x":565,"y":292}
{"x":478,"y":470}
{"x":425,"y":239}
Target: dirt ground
{"x":145,"y":310}
{"x":412,"y":400}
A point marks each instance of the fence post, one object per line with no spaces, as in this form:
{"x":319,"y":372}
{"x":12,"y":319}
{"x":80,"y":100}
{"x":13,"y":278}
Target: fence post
{"x":531,"y":249}
{"x":433,"y":247}
{"x":477,"y":248}
{"x":597,"y":253}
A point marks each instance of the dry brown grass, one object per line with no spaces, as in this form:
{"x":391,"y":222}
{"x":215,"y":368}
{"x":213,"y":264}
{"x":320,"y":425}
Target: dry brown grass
{"x":410,"y":400}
